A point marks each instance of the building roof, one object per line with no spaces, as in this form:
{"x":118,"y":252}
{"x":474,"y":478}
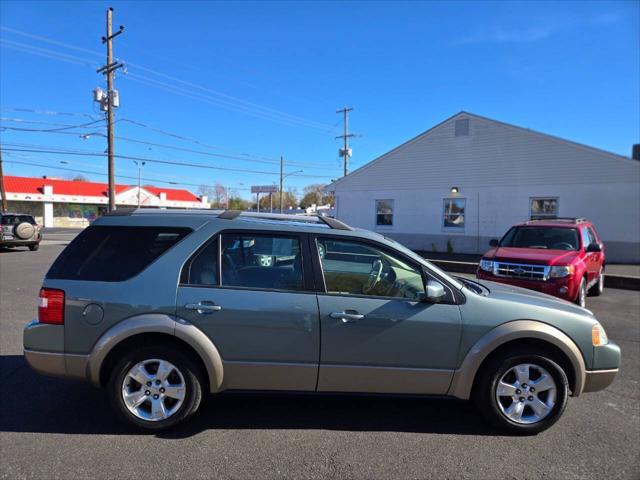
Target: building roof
{"x":464,"y":114}
{"x":34,"y":185}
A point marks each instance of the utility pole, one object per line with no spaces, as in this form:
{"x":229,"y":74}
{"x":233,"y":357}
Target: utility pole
{"x":140,"y":166}
{"x":345,"y":152}
{"x":281,"y":179}
{"x":3,"y":192}
{"x":111,"y":102}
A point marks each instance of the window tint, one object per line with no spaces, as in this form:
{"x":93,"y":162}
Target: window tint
{"x":360,"y":269}
{"x":384,"y":212}
{"x":114,"y":253}
{"x":203,"y":269}
{"x":592,"y":235}
{"x":262,"y":261}
{"x":555,"y":238}
{"x":17,"y":219}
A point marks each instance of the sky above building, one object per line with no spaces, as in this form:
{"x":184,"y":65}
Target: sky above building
{"x":234,"y":85}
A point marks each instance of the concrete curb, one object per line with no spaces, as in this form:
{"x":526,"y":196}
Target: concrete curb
{"x":624,"y":282}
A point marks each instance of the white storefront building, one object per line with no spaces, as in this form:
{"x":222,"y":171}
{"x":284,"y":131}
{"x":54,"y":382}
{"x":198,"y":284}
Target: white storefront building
{"x":66,"y":203}
{"x":469,"y":178}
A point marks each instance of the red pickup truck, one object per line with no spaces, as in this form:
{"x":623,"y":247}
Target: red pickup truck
{"x":563,"y":257}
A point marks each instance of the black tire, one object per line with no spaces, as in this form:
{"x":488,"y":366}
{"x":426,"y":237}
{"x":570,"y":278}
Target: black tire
{"x":581,"y":299}
{"x":33,"y":248}
{"x":182,"y":361}
{"x":598,"y":288}
{"x":493,"y":371}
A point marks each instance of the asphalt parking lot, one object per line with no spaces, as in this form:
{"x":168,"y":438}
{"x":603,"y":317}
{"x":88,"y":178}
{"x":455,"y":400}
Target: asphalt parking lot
{"x":51,"y":428}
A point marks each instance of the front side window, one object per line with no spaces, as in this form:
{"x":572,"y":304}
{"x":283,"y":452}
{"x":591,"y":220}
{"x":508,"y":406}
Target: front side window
{"x":544,"y":208}
{"x":454,"y":212}
{"x":384,"y":213}
{"x":262,"y":261}
{"x":551,"y":238}
{"x":355,"y":268}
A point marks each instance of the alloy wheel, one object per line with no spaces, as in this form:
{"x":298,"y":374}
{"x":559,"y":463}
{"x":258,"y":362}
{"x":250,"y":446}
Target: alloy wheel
{"x":153,"y":390}
{"x":526,"y":393}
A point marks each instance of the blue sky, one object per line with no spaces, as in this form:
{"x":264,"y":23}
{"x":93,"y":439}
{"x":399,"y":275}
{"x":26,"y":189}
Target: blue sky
{"x":264,"y":79}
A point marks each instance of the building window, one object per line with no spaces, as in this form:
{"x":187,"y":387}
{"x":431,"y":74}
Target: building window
{"x":462,"y":128}
{"x":384,"y":212}
{"x":544,"y":208}
{"x":454,"y":212}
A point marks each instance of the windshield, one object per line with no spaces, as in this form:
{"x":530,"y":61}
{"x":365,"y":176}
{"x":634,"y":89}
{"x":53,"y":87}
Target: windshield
{"x":553,"y":238}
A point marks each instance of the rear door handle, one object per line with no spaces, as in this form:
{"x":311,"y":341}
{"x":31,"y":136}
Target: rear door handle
{"x":203,"y":307}
{"x":347,"y":317}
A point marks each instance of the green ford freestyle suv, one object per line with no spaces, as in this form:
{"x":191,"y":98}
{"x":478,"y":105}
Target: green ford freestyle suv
{"x":160,"y":307}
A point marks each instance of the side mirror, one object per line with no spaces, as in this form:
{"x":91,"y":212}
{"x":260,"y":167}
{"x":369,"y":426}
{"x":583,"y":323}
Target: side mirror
{"x":494,"y":242}
{"x":594,"y":247}
{"x":435,"y":292}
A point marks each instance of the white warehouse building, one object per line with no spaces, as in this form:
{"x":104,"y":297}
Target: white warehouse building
{"x":469,"y":178}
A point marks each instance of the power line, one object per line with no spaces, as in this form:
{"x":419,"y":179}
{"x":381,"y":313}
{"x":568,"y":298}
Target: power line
{"x":160,"y":145}
{"x":232,"y":98}
{"x":43,"y":52}
{"x":244,"y":105}
{"x":153,"y":160}
{"x":162,"y":178}
{"x":53,"y":130}
{"x":91,"y":172}
{"x":238,"y":156}
{"x":213,"y":101}
{"x":46,"y":112}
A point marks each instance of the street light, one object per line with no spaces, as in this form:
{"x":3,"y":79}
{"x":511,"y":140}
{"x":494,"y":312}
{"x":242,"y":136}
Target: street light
{"x":140,"y":166}
{"x":282,"y":184}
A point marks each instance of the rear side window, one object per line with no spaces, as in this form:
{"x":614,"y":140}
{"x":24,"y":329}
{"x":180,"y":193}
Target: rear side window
{"x":17,"y":219}
{"x":262,"y":261}
{"x":114,"y":253}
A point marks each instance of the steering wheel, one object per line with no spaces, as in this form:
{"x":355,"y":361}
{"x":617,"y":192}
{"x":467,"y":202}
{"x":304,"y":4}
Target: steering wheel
{"x":562,"y":246}
{"x":374,"y":276}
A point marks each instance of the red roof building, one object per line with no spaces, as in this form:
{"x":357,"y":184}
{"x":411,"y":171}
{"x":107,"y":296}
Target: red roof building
{"x":74,"y":203}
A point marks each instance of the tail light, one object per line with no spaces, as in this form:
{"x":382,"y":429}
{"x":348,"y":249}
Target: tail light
{"x":51,"y":306}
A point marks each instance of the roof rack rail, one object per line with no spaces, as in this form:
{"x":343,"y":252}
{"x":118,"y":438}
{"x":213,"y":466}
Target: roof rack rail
{"x":230,"y":214}
{"x":560,"y":219}
{"x":121,"y":212}
{"x":318,"y":219}
{"x":334,"y":223}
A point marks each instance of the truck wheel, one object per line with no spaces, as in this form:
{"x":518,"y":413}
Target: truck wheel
{"x":598,"y":288}
{"x":581,"y":299}
{"x":155,"y":388}
{"x":522,"y":392}
{"x":33,"y":248}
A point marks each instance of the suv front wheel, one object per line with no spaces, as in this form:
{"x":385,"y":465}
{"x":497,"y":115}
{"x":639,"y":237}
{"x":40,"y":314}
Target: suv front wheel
{"x":155,"y":388}
{"x":522,"y":392}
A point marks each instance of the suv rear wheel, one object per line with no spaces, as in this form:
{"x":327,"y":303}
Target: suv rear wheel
{"x":523,"y":393}
{"x":155,"y":388}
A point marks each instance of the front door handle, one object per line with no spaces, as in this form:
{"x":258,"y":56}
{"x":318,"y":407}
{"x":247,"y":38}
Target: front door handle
{"x":347,"y":316}
{"x":203,"y":307}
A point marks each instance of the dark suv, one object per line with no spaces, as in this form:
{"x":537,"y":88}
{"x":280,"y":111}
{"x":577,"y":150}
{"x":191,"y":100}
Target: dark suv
{"x":563,"y":257}
{"x":19,"y":230}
